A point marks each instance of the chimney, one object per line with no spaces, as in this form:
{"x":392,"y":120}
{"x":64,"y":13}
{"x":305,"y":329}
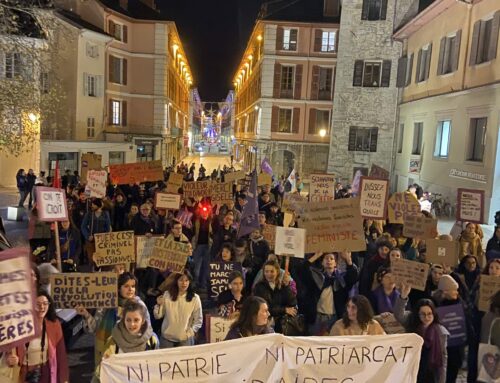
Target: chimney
{"x":124,"y":4}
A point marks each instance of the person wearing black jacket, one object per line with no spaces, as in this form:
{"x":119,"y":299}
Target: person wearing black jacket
{"x":144,"y":223}
{"x":30,"y":178}
{"x":119,"y":213}
{"x":258,"y":250}
{"x":372,"y":265}
{"x":22,"y":186}
{"x":222,"y":234}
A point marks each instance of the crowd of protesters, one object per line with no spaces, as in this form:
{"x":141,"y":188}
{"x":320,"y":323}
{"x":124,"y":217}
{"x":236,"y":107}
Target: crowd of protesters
{"x":333,"y":293}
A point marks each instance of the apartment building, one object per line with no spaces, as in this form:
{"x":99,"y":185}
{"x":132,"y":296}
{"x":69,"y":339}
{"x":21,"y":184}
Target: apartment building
{"x":449,"y":113}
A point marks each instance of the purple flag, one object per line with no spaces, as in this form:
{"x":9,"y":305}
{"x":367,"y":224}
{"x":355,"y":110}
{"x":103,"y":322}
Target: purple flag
{"x":250,"y":216}
{"x":266,"y":166}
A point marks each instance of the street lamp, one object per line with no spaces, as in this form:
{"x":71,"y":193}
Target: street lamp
{"x":33,"y":117}
{"x":322,"y":133}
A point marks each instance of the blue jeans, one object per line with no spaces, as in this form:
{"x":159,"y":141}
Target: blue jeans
{"x":22,"y":197}
{"x":201,"y":259}
{"x":165,"y":343}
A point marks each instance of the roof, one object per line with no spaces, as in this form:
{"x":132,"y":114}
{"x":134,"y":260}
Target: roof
{"x":296,"y":10}
{"x":78,"y":22}
{"x":136,"y":9}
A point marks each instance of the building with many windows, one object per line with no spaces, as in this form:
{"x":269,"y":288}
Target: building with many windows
{"x":449,"y":112}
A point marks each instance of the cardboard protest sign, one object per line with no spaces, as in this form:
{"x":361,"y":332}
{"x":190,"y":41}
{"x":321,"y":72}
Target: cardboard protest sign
{"x":137,"y":172}
{"x":234,"y":176}
{"x":333,"y":226}
{"x":292,"y":201}
{"x":169,"y":255}
{"x":196,"y":189}
{"x":453,"y":318}
{"x":90,"y":161}
{"x":51,"y":204}
{"x":221,"y":193}
{"x":269,"y":234}
{"x":379,"y":172}
{"x":442,"y":252}
{"x":322,"y":187}
{"x":114,"y":248}
{"x":470,"y":205}
{"x":245,"y":182}
{"x":290,"y":241}
{"x":420,"y":226}
{"x":389,"y":323}
{"x":167,"y":201}
{"x":264,"y":179}
{"x":17,"y":303}
{"x":373,"y":195}
{"x":143,"y":249}
{"x":488,"y":286}
{"x":410,"y":272}
{"x":218,"y":276}
{"x":275,"y":358}
{"x":217,"y":328}
{"x":174,"y":182}
{"x":91,"y":290}
{"x":96,"y":183}
{"x":401,"y":205}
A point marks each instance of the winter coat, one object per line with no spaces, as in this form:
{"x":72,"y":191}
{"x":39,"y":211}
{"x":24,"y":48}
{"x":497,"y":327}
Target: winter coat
{"x":278,"y":299}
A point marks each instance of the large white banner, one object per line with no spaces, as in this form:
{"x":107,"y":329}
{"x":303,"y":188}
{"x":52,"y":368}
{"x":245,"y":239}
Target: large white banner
{"x":275,"y":358}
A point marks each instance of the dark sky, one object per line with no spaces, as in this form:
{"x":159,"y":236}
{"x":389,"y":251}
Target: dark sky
{"x":214,"y":34}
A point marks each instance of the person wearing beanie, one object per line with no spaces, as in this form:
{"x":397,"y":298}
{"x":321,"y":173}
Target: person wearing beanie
{"x":372,"y":265}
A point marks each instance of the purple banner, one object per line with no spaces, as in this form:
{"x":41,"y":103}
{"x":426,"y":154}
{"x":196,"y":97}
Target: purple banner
{"x":250,"y":214}
{"x":453,"y":318}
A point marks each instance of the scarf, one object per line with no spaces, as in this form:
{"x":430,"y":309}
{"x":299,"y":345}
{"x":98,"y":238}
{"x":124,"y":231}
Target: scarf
{"x":107,"y":323}
{"x":432,"y":341}
{"x":128,"y":342}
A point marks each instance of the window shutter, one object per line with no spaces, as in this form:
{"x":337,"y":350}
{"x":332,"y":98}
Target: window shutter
{"x":410,"y":69}
{"x":124,"y":33}
{"x":312,"y":121}
{"x":275,"y":115}
{"x":364,"y":11}
{"x":124,"y":113}
{"x":110,"y":112}
{"x":296,"y":120}
{"x":383,"y":10}
{"x":85,"y":84}
{"x":495,"y":26}
{"x":373,"y":139}
{"x":475,"y":43}
{"x":456,"y":51}
{"x":277,"y":80}
{"x":428,"y":61}
{"x":334,"y":71}
{"x":2,"y":64}
{"x":401,"y":78}
{"x":419,"y":59}
{"x":17,"y":64}
{"x":279,"y":38}
{"x":111,"y":67}
{"x":442,"y":47}
{"x":100,"y":89}
{"x":111,"y":28}
{"x":293,"y":37}
{"x":318,"y":33}
{"x":298,"y":82}
{"x":352,"y":139}
{"x":315,"y":82}
{"x":124,"y":72}
{"x":386,"y":73}
{"x":358,"y":73}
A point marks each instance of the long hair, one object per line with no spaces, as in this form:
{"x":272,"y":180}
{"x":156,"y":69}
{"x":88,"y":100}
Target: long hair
{"x":51,"y":311}
{"x":124,"y":278}
{"x":173,"y":288}
{"x":278,"y":270}
{"x":365,"y":311}
{"x":246,"y":321}
{"x":486,"y":270}
{"x":415,"y":322}
{"x":228,"y":246}
{"x":132,"y":306}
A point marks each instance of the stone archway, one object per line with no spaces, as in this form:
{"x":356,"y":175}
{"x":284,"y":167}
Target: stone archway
{"x":283,"y":162}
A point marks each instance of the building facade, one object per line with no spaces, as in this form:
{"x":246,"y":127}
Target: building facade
{"x":449,"y":114}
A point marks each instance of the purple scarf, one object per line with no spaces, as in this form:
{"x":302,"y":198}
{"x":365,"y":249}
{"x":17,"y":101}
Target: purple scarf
{"x":432,"y":341}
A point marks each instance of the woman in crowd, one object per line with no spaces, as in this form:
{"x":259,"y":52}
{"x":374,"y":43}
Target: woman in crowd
{"x":229,"y":302}
{"x":470,"y":242}
{"x":70,"y":245}
{"x":253,"y":320}
{"x":371,"y":266}
{"x":424,"y":321}
{"x":134,"y":210}
{"x":181,"y":311}
{"x":278,"y":295}
{"x":119,"y":212}
{"x":385,"y":295}
{"x":226,"y":253}
{"x":357,"y":319}
{"x":132,"y":334}
{"x":144,"y":223}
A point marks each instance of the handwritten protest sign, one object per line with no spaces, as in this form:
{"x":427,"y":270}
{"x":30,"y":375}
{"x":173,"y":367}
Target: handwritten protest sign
{"x":17,"y":307}
{"x":218,"y":276}
{"x":420,"y":227}
{"x":167,"y":201}
{"x":234,"y":176}
{"x":174,"y":182}
{"x":143,"y":249}
{"x":136,"y":172}
{"x":488,"y":286}
{"x":401,"y":205}
{"x":114,"y":248}
{"x":389,"y":323}
{"x":442,"y":252}
{"x":90,"y":161}
{"x":373,"y":195}
{"x":221,"y":193}
{"x":96,"y":183}
{"x":275,"y":358}
{"x":269,"y":234}
{"x":453,"y":318}
{"x":169,"y":255}
{"x":51,"y":204}
{"x":217,"y":328}
{"x":264,"y":179}
{"x":290,"y":241}
{"x":379,"y":172}
{"x":412,"y":273}
{"x":292,"y":201}
{"x":333,"y":225}
{"x":322,"y":187}
{"x":197,"y":189}
{"x":470,"y":205}
{"x":91,"y":290}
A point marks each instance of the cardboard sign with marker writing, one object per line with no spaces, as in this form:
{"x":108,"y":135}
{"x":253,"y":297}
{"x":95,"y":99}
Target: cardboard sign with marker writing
{"x":197,"y":189}
{"x":221,"y":193}
{"x":51,"y":204}
{"x":91,"y":290}
{"x":410,"y":272}
{"x":488,"y":286}
{"x":401,"y":205}
{"x":379,"y":172}
{"x":373,"y":195}
{"x":322,"y":187}
{"x":264,"y":179}
{"x":137,"y":172}
{"x":470,"y":205}
{"x":169,"y":255}
{"x":420,"y":227}
{"x":389,"y":323}
{"x":442,"y":252}
{"x":97,"y":183}
{"x":290,"y":241}
{"x":114,"y":248}
{"x":234,"y":176}
{"x":269,"y":234}
{"x":217,"y":328}
{"x":167,"y":201}
{"x":218,"y":276}
{"x":292,"y":201}
{"x":143,"y":249}
{"x":90,"y":161}
{"x":174,"y":182}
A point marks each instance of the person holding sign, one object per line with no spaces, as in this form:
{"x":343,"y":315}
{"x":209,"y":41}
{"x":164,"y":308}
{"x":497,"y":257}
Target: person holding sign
{"x":385,"y":295}
{"x":357,"y":319}
{"x":70,"y":245}
{"x":181,"y":311}
{"x":253,"y":320}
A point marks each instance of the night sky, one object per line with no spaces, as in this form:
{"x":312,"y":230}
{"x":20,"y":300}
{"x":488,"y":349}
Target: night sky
{"x":214,"y":34}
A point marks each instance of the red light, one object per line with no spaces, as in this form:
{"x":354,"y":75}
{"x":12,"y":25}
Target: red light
{"x":205,"y":208}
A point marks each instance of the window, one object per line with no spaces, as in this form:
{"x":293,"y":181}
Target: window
{"x":328,"y":41}
{"x":423,"y":63}
{"x":477,"y":135}
{"x":362,"y":139}
{"x":12,"y":65}
{"x":374,"y":10}
{"x":92,"y":50}
{"x":145,"y":153}
{"x":400,"y":137}
{"x":372,"y":73}
{"x":449,"y":51}
{"x":117,"y":112}
{"x":442,"y":139}
{"x":91,"y":86}
{"x":118,"y":31}
{"x":90,"y":127}
{"x":325,"y":83}
{"x":322,"y":121}
{"x":286,"y":86}
{"x":289,"y":39}
{"x":409,"y":70}
{"x":285,"y":121}
{"x":485,"y":40}
{"x":418,"y":130}
{"x":116,"y":158}
{"x":117,"y":70}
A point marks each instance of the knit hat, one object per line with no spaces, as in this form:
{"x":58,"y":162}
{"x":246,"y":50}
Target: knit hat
{"x":446,"y":283}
